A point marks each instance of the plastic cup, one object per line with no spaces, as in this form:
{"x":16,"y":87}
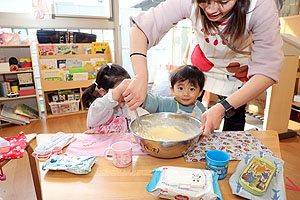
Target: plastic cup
{"x":121,"y":153}
{"x":217,"y":161}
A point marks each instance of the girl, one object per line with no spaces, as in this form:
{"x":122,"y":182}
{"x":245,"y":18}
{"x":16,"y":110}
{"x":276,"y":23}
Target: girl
{"x":104,"y":97}
{"x":239,"y":49}
{"x":186,"y":86}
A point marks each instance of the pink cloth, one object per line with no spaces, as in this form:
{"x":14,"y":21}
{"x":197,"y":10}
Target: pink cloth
{"x":95,"y":144}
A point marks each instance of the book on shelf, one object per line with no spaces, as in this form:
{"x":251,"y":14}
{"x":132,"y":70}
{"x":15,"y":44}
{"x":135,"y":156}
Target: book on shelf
{"x":63,"y":49}
{"x":47,"y":50}
{"x":26,"y":87}
{"x":7,"y":114}
{"x":75,"y":49}
{"x":4,"y":89}
{"x":26,"y":111}
{"x":73,"y":62}
{"x":61,"y":63}
{"x":48,"y":63}
{"x":100,"y":47}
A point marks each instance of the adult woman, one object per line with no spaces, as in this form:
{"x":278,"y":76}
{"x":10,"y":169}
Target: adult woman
{"x":239,"y":50}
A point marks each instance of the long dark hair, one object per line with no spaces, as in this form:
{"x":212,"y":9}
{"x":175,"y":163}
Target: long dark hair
{"x":108,"y":75}
{"x":235,"y":29}
{"x":188,"y":72}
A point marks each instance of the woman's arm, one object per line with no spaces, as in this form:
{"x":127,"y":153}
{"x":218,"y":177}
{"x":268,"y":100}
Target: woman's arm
{"x":136,"y":92}
{"x":148,"y":28}
{"x":212,"y":118}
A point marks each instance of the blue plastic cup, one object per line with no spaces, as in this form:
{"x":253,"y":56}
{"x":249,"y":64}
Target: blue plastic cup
{"x":217,"y":161}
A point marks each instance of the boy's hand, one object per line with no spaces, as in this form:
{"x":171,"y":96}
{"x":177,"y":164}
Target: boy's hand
{"x":117,"y":91}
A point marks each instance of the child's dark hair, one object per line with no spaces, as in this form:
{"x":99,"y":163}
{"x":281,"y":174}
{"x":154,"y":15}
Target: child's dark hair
{"x":188,"y":72}
{"x":108,"y":75}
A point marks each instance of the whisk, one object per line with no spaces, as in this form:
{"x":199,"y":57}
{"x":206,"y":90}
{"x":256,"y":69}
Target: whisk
{"x":141,"y":127}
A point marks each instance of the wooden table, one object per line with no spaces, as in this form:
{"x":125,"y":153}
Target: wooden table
{"x":108,"y":182}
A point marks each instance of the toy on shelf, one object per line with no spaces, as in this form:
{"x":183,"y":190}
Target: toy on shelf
{"x":25,"y":63}
{"x":13,"y":68}
{"x":12,"y":95}
{"x":257,"y":176}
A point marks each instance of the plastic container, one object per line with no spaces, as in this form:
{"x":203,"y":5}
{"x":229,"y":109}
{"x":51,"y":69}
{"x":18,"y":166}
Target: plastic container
{"x":4,"y":145}
{"x":64,"y":107}
{"x":217,"y":161}
{"x":257,"y":176}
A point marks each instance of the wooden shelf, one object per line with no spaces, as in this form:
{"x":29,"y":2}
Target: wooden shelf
{"x":66,"y":114}
{"x":296,"y":104}
{"x":84,"y":57}
{"x":17,"y":98}
{"x":33,"y":101}
{"x":49,"y":86}
{"x":17,"y":72}
{"x":15,"y":46}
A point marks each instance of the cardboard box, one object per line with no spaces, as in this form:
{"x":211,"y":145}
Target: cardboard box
{"x":4,"y":68}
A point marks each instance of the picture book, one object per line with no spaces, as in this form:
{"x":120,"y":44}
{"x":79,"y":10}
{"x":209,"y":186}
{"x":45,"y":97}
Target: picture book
{"x":48,"y":63}
{"x":63,"y":49}
{"x":99,"y":61}
{"x":54,"y":74}
{"x":73,"y":62}
{"x":26,"y":111}
{"x":47,"y":50}
{"x":7,"y":114}
{"x":26,"y":87}
{"x":61,"y":63}
{"x":100,"y":47}
{"x":25,"y":78}
{"x":75,"y":49}
{"x":91,"y":75}
{"x":80,"y":76}
{"x":89,"y":63}
{"x":87,"y":49}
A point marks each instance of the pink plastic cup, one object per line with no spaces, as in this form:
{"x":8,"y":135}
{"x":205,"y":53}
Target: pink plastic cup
{"x":120,"y":153}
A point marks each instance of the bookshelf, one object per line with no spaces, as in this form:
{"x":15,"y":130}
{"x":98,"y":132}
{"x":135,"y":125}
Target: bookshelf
{"x":52,"y":87}
{"x":8,"y":77}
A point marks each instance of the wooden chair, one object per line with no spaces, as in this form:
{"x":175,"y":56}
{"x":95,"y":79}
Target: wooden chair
{"x":31,"y":141}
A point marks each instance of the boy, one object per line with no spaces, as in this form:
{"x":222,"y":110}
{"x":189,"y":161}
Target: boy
{"x":186,"y":86}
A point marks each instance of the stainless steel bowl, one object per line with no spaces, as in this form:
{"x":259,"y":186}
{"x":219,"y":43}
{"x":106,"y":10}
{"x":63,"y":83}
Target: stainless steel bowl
{"x":168,"y":148}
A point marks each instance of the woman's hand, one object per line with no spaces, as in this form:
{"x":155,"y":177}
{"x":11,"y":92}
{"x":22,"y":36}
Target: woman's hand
{"x":136,"y":92}
{"x":212,"y":119}
{"x":118,"y":91}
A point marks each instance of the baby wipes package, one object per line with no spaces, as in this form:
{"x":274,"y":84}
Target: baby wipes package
{"x":73,"y":164}
{"x":184,"y":183}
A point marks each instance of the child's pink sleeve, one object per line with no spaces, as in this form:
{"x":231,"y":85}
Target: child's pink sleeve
{"x":267,"y":56}
{"x":156,"y":22}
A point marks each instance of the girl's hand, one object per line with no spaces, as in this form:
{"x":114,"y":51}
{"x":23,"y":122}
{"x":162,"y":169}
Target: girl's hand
{"x":117,"y":91}
{"x":212,"y":119}
{"x":136,"y":92}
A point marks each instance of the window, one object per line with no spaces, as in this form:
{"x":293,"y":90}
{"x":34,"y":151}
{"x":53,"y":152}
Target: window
{"x":90,"y":8}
